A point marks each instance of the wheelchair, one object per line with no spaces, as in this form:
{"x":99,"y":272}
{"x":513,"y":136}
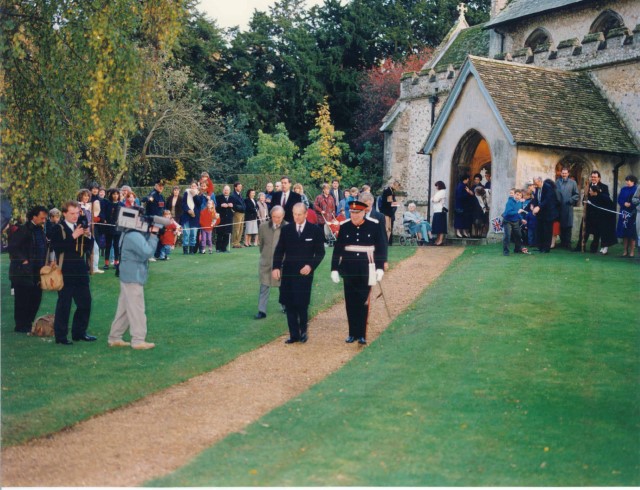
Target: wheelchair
{"x":406,"y":237}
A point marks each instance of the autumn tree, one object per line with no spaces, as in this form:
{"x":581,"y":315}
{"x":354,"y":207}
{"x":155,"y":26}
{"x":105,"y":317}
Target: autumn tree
{"x":322,"y":158}
{"x":76,"y":81}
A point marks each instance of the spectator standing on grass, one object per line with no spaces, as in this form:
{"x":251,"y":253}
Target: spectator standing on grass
{"x":72,"y":240}
{"x":547,"y":211}
{"x":439,"y":220}
{"x":54,"y":219}
{"x":251,"y":219}
{"x":511,"y":221}
{"x":238,"y":215}
{"x":174,"y":203}
{"x":335,"y":192}
{"x":569,"y":197}
{"x":343,"y":205}
{"x":192,"y":202}
{"x":208,"y":217}
{"x":224,"y":207}
{"x":112,"y":235}
{"x":28,"y":254}
{"x":600,"y":220}
{"x":627,"y":218}
{"x":137,"y":249}
{"x":389,"y":206}
{"x":286,"y":198}
{"x":168,"y":236}
{"x":263,"y":208}
{"x":297,"y":188}
{"x":268,"y":236}
{"x":268,"y":193}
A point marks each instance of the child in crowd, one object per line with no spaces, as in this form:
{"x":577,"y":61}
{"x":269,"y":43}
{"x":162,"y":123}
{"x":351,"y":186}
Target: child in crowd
{"x":208,"y":216}
{"x":512,"y":218}
{"x":168,"y":236}
{"x":130,"y":201}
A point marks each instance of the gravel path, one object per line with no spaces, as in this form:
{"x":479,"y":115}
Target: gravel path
{"x":162,"y":432}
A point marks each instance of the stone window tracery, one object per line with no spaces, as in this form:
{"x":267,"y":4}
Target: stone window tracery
{"x":606,"y":21}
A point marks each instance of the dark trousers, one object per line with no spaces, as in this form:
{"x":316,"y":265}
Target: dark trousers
{"x":297,"y":319}
{"x":27,"y":303}
{"x":565,"y":236}
{"x":222,"y":239}
{"x":356,"y":298}
{"x":115,"y":241}
{"x":545,"y":232}
{"x":81,"y":295}
{"x":511,"y":230}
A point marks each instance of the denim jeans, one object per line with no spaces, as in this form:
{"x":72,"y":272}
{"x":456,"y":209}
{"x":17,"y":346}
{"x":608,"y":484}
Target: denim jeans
{"x":511,"y":228}
{"x":189,"y":236}
{"x":423,"y":228}
{"x":165,"y":251}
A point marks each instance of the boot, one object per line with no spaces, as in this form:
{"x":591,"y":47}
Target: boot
{"x":185,"y":250}
{"x":193,"y":249}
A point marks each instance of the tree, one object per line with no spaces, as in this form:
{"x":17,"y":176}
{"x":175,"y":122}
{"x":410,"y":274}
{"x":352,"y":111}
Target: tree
{"x":75,"y":82}
{"x":322,"y":158}
{"x":275,"y":153}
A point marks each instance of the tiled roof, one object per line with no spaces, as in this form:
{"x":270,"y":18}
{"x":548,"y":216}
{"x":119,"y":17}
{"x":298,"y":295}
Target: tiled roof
{"x":553,"y":107}
{"x":473,"y":40}
{"x":518,"y":9}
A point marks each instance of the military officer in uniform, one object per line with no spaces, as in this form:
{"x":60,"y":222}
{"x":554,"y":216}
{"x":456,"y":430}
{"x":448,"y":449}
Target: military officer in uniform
{"x":358,"y":256}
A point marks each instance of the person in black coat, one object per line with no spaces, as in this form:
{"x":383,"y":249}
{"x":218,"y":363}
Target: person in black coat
{"x":112,"y":207}
{"x":250,"y":218}
{"x":285,"y":198}
{"x":224,"y":207}
{"x":373,"y":215}
{"x":299,"y":252}
{"x":547,"y":211}
{"x":73,"y":241}
{"x":358,"y":256}
{"x":28,"y":253}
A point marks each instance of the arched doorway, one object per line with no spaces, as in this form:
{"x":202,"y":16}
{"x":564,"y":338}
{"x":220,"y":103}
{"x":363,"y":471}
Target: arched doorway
{"x":471,"y":156}
{"x":579,"y":170}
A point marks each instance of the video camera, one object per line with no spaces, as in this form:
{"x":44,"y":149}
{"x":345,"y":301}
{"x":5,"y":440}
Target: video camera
{"x":82,"y":222}
{"x":135,"y":219}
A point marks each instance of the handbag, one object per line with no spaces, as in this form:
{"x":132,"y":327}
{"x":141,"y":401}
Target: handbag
{"x":51,"y":276}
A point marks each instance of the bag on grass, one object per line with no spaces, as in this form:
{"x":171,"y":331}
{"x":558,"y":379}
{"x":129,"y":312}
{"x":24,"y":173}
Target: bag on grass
{"x":43,"y":326}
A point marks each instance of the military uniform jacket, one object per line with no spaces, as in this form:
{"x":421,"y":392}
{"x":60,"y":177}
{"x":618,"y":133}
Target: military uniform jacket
{"x":357,"y":263}
{"x":292,"y":253}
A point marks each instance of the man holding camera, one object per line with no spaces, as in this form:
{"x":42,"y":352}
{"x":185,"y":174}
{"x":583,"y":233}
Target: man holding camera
{"x":136,"y":248}
{"x":71,"y":240}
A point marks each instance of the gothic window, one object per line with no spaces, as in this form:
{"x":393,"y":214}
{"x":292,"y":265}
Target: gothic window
{"x":606,"y":21}
{"x":539,"y":38}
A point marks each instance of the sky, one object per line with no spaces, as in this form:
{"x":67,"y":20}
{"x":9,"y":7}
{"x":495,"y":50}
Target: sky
{"x":229,"y":13}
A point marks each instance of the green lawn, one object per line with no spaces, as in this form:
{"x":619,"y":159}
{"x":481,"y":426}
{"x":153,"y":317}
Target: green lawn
{"x":200,"y":315}
{"x":508,"y":371}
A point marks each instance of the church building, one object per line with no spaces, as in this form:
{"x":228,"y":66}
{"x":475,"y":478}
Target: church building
{"x":542,"y":85}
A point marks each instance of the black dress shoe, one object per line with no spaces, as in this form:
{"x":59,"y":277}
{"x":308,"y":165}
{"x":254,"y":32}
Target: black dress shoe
{"x":362,"y":340}
{"x":86,"y":338}
{"x":291,"y":341}
{"x":304,"y":337}
{"x":350,"y":340}
{"x":260,"y":315}
{"x":64,"y":342}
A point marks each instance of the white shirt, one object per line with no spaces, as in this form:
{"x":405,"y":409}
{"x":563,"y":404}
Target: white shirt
{"x":285,"y":198}
{"x":70,"y":225}
{"x":300,"y":228}
{"x":439,"y":200}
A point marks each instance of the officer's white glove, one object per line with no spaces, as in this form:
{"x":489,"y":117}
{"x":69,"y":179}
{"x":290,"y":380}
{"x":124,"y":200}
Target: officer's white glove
{"x":379,"y":274}
{"x":335,"y":277}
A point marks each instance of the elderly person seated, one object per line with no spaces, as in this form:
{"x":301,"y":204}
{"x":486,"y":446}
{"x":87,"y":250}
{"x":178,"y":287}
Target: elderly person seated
{"x":417,"y":224}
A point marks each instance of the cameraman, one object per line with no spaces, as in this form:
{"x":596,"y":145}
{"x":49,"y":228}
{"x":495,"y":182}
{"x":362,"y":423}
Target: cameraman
{"x":136,"y":248}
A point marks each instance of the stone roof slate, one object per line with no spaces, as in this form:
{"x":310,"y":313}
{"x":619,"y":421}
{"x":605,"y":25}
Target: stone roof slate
{"x":518,"y":9}
{"x":557,"y":108}
{"x":473,"y":40}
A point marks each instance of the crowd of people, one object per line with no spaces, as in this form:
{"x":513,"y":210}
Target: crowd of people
{"x":84,"y":230}
{"x":539,"y":214}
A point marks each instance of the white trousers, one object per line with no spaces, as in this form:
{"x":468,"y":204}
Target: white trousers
{"x":130,"y":314}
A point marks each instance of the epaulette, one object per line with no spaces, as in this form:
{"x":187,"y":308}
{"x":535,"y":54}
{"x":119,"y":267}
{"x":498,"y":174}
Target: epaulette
{"x":372,"y":219}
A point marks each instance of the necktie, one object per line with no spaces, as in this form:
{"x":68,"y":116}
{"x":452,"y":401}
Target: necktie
{"x":299,"y":230}
{"x":284,"y":199}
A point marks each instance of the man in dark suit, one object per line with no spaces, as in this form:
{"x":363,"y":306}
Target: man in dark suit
{"x":358,"y":257}
{"x":299,"y":252}
{"x":335,"y":192}
{"x":224,"y":207}
{"x":238,"y":215}
{"x":73,"y":241}
{"x":285,"y":198}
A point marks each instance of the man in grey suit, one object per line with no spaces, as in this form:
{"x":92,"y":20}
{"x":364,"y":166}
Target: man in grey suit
{"x":268,"y":234}
{"x":569,"y":196}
